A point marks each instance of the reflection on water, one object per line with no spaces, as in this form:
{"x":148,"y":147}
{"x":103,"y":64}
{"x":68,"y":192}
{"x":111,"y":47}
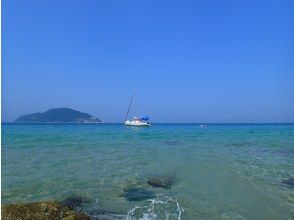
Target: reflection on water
{"x":222,"y":171}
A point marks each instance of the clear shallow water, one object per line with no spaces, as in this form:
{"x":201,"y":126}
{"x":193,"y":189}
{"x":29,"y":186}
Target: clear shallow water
{"x":222,"y":171}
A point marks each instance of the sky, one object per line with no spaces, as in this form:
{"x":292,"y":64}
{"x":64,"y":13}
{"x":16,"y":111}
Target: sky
{"x":190,"y":61}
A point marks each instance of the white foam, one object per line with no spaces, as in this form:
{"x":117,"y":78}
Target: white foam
{"x":233,"y":216}
{"x":161,"y":202}
{"x":179,"y":209}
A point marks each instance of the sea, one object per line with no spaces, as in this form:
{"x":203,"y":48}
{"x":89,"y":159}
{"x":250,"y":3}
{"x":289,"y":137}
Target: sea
{"x":221,"y":171}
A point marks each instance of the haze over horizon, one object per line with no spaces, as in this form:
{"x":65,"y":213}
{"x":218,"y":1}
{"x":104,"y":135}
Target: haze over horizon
{"x":190,"y":61}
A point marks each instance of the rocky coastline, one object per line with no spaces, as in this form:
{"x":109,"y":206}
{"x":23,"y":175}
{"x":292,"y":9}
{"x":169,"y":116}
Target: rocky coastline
{"x":40,"y":211}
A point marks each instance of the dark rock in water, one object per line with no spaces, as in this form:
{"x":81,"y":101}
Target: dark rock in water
{"x":73,"y":202}
{"x":288,"y":182}
{"x":40,"y":211}
{"x":162,"y":181}
{"x":138,"y":194}
{"x":286,"y":152}
{"x":240,"y":144}
{"x":173,"y":143}
{"x":105,"y":215}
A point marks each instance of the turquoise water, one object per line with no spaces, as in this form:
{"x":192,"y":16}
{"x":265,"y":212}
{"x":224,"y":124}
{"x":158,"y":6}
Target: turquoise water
{"x":222,"y":171}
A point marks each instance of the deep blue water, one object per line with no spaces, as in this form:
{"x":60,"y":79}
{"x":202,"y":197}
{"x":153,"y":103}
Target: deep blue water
{"x":223,"y":171}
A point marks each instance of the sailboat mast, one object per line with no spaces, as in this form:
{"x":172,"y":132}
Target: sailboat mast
{"x":130,"y":105}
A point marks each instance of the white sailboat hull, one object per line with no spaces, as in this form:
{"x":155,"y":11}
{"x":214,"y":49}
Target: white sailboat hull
{"x":137,"y":123}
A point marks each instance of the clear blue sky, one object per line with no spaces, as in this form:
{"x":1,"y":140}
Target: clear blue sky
{"x":191,"y":61}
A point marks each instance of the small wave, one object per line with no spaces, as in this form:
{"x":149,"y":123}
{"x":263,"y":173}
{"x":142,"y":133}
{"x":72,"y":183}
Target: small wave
{"x":160,"y":207}
{"x":232,"y":216}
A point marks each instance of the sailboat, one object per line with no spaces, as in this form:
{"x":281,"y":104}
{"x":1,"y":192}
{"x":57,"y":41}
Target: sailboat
{"x":137,"y":121}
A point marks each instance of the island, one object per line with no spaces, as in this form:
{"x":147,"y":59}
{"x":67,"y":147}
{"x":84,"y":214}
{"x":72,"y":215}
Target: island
{"x":58,"y":115}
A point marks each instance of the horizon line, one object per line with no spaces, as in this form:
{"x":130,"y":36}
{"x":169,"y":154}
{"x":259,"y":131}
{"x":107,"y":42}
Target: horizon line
{"x":12,"y":122}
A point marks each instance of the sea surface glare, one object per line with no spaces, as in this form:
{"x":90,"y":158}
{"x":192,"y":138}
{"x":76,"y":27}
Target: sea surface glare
{"x":222,"y":171}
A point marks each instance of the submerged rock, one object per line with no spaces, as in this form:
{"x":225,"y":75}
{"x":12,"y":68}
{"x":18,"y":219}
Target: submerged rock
{"x":288,"y":182}
{"x":40,"y":210}
{"x":173,"y":143}
{"x":162,"y":181}
{"x":286,"y":152}
{"x":105,"y":215}
{"x":73,"y":202}
{"x":138,"y":194}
